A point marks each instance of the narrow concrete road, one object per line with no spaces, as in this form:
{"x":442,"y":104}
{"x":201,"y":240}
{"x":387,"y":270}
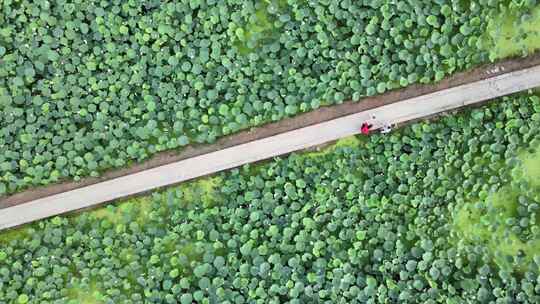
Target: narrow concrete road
{"x":269,"y":147}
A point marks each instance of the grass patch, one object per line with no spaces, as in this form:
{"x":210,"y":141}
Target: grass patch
{"x":261,"y":28}
{"x":510,"y":35}
{"x":489,"y":222}
{"x":10,"y":235}
{"x":347,"y":142}
{"x":134,"y":209}
{"x":85,"y":294}
{"x":473,"y":220}
{"x":187,"y":254}
{"x":467,"y":223}
{"x":201,"y":191}
{"x":530,"y":167}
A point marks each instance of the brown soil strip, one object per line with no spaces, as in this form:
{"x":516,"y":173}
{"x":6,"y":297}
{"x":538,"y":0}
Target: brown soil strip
{"x":299,"y":121}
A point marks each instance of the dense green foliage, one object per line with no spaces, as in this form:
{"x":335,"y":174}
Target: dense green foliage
{"x":443,"y":212}
{"x":90,"y":85}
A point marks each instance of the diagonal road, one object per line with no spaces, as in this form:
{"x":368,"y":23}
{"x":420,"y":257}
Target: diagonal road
{"x":401,"y":111}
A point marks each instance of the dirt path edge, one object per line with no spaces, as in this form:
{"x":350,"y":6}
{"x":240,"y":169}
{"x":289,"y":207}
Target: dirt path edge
{"x":288,"y":124}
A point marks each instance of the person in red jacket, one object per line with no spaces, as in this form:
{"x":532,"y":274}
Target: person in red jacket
{"x":365,"y":128}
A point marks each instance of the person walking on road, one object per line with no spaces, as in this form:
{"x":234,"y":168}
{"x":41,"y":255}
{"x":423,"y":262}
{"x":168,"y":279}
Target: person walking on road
{"x":365,"y":128}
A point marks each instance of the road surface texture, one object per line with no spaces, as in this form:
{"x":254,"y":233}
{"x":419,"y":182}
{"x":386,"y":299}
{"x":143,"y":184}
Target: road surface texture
{"x":325,"y":113}
{"x":398,"y":112}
